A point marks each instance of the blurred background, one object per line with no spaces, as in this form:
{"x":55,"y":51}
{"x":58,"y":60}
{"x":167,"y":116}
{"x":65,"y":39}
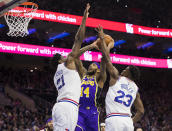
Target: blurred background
{"x":27,"y":91}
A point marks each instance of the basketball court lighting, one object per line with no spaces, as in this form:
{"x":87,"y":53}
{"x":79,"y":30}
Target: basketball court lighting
{"x":89,"y":39}
{"x":31,"y":31}
{"x":119,"y":42}
{"x":146,"y":45}
{"x":169,"y":49}
{"x":59,"y":36}
{"x":2,"y":26}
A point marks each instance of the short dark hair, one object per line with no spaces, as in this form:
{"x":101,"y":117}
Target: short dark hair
{"x":135,"y":72}
{"x":55,"y":60}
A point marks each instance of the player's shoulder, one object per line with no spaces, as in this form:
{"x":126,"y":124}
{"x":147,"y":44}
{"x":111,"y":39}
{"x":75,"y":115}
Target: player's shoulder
{"x":60,"y":66}
{"x":70,"y":57}
{"x":132,"y":83}
{"x":123,"y":79}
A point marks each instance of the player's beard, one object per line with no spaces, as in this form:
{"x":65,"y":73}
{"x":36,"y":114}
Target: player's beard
{"x":91,"y":73}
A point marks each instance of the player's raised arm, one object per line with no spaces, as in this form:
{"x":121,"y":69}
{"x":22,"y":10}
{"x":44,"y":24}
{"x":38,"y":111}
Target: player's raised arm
{"x":80,"y":68}
{"x":78,"y":63}
{"x":79,"y":37}
{"x":87,"y":48}
{"x":139,"y":107}
{"x":105,"y":52}
{"x":102,"y":76}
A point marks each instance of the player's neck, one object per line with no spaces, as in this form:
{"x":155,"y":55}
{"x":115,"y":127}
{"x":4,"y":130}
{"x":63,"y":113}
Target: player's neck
{"x":91,"y":74}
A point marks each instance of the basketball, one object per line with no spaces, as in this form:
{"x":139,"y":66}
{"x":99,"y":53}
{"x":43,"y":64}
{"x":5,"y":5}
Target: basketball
{"x":108,"y":40}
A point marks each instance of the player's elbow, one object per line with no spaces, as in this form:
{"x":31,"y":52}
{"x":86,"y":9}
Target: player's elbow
{"x":78,"y":39}
{"x":74,"y":54}
{"x":141,"y":111}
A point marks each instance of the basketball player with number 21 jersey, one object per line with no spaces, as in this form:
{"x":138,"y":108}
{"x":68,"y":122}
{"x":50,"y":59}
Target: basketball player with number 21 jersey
{"x":122,"y":93}
{"x":68,"y":84}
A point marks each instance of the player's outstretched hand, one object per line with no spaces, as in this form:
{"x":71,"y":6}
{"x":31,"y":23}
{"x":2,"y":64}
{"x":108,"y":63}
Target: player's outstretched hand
{"x":101,"y":35}
{"x":109,"y":41}
{"x":86,"y":12}
{"x":100,"y":32}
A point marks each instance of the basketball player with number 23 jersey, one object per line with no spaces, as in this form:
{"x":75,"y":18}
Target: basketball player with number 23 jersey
{"x":122,"y":93}
{"x":68,"y":84}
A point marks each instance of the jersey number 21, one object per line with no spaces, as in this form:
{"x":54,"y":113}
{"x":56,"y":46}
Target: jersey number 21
{"x":60,"y":82}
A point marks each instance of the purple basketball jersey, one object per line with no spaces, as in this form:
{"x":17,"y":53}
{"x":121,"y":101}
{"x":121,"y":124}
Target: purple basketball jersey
{"x":88,"y":119}
{"x":89,"y":89}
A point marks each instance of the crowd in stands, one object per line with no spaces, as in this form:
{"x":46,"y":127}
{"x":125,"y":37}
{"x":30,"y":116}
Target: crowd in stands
{"x":155,"y":93}
{"x":15,"y":116}
{"x":157,"y":105}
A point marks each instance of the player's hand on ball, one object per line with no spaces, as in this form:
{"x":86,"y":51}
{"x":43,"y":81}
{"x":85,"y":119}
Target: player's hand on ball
{"x":107,"y":38}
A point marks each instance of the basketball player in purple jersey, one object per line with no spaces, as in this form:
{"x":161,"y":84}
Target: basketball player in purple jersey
{"x":122,"y":93}
{"x":92,"y":82}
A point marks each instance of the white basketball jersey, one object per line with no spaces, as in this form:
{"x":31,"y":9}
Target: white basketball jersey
{"x":68,"y":83}
{"x":121,"y":96}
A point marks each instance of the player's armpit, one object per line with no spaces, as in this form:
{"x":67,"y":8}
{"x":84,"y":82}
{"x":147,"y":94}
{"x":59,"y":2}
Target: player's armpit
{"x":80,"y":68}
{"x":139,"y":107}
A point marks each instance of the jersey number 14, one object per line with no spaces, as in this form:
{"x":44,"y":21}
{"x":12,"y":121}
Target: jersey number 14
{"x":86,"y":92}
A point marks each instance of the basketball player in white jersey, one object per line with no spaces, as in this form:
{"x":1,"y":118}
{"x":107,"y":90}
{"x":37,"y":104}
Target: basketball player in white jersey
{"x":68,"y":84}
{"x":122,"y":93}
